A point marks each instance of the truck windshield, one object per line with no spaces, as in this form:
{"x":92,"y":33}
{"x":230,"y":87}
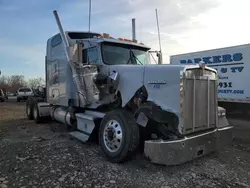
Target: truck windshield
{"x":117,"y":54}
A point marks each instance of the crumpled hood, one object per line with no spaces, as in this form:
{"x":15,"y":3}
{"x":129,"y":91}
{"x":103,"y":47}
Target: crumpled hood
{"x":162,"y":83}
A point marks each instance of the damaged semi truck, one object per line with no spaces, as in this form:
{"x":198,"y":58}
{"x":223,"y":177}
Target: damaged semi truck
{"x":96,"y":83}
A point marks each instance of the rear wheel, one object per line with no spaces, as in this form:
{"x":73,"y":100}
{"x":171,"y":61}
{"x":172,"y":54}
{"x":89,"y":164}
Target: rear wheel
{"x":36,"y":115}
{"x":29,"y":109}
{"x":118,"y":136}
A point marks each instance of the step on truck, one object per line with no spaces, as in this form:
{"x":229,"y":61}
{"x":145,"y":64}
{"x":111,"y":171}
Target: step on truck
{"x":97,"y":83}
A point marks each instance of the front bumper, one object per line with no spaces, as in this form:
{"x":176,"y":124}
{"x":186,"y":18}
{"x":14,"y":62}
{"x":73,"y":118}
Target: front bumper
{"x":184,"y":150}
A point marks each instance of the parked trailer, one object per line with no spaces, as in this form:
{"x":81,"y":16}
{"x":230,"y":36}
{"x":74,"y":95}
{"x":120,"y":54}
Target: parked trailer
{"x":233,"y":66}
{"x":97,"y":83}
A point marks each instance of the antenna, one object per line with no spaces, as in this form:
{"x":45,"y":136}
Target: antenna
{"x":89,"y":13}
{"x":158,"y":29}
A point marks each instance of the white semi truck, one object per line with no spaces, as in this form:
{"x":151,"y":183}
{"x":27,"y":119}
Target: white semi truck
{"x":233,"y":65}
{"x":98,"y":83}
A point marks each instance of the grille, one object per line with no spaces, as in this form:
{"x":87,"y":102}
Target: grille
{"x":199,"y":100}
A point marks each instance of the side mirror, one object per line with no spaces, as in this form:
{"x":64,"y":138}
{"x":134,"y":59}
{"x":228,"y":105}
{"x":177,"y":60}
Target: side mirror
{"x":159,"y":55}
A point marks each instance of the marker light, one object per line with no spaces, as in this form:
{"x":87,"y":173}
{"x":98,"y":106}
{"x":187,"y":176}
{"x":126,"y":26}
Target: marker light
{"x":127,"y":40}
{"x":106,"y":35}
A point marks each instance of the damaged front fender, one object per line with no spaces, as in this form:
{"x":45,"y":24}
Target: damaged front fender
{"x":156,"y":113}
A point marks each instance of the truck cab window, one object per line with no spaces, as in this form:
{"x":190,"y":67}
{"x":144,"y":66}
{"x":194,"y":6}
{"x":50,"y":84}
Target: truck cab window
{"x":90,"y":55}
{"x":120,"y":54}
{"x":56,"y":40}
{"x":55,"y":68}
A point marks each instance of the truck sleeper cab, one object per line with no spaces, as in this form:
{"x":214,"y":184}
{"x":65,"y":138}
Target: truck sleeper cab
{"x":109,"y":86}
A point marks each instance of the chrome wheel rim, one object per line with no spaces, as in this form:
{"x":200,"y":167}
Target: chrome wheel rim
{"x":112,"y":135}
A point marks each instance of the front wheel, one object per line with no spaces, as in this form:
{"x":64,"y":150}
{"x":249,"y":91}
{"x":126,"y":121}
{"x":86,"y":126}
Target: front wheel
{"x":118,"y":135}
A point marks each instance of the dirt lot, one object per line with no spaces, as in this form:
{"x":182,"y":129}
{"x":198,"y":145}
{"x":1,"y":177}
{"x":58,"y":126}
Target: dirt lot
{"x":44,"y":155}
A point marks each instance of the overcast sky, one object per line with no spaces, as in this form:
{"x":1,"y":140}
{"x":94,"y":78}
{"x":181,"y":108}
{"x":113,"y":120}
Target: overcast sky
{"x":185,"y":25}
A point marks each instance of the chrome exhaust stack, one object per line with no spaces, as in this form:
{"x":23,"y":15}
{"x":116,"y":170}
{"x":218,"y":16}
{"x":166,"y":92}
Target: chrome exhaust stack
{"x":133,"y":31}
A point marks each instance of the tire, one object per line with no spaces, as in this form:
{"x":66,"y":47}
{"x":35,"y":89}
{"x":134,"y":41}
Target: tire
{"x":126,"y":134}
{"x":36,"y":116}
{"x":29,"y":109}
{"x":73,"y":127}
{"x":18,"y":100}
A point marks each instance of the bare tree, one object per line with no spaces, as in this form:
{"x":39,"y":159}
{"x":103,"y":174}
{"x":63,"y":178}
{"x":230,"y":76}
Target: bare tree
{"x":14,"y":82}
{"x":35,"y":82}
{"x":17,"y":81}
{"x":4,"y":82}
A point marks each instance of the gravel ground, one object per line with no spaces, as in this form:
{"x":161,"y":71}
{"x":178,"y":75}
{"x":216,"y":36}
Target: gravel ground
{"x":45,"y":156}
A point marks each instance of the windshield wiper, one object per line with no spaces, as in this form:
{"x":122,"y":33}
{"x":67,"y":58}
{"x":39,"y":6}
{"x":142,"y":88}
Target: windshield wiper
{"x":131,"y":54}
{"x":136,"y":58}
{"x":129,"y":59}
